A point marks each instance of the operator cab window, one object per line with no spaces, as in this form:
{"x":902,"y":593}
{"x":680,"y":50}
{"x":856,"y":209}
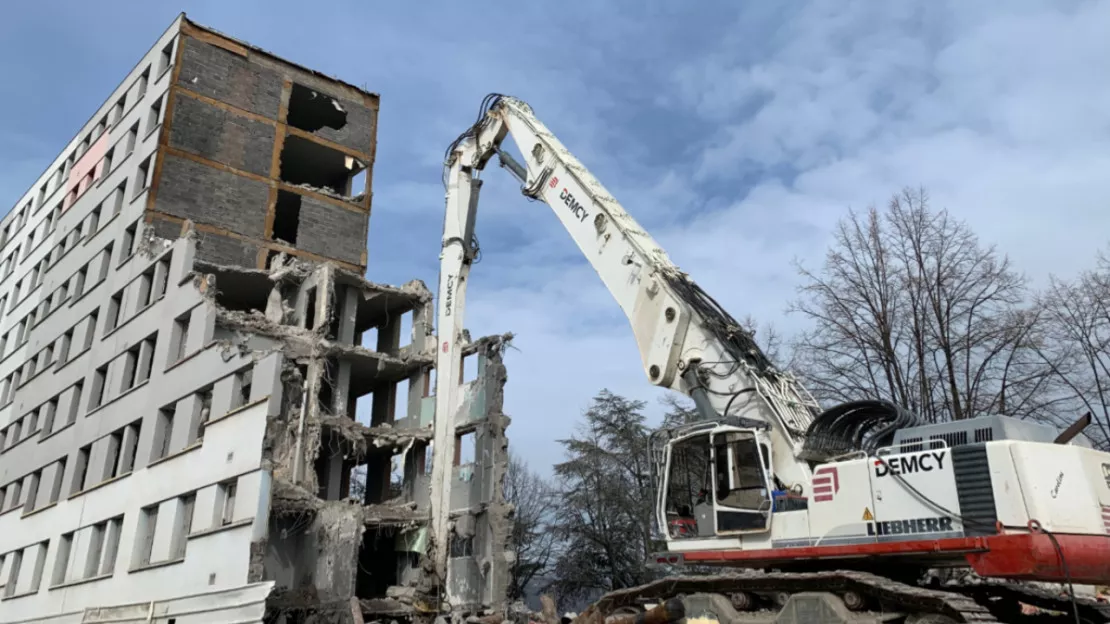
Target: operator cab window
{"x":690,"y":480}
{"x":741,"y":487}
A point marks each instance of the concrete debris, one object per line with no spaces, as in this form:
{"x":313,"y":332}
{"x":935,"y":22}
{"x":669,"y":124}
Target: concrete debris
{"x":394,"y":513}
{"x":288,"y":498}
{"x":325,"y":191}
{"x":498,"y":343}
{"x":365,"y":439}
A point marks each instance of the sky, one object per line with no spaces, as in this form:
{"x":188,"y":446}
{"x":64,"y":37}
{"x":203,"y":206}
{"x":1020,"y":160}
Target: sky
{"x":737,"y":133}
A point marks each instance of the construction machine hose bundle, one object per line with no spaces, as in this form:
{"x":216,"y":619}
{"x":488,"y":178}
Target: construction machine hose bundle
{"x":855,"y":426}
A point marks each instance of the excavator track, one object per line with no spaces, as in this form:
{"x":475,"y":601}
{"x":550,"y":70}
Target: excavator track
{"x":1002,"y":599}
{"x":766,"y":597}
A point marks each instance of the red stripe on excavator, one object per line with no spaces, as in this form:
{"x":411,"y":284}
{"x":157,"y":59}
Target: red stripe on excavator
{"x":1026,"y":556}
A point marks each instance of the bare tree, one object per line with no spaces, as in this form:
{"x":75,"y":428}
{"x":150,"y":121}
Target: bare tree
{"x":1077,"y":342}
{"x":911,"y":307}
{"x":532,"y":539}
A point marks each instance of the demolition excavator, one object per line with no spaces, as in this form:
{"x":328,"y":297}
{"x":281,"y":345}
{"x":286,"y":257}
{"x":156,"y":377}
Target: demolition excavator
{"x":787,"y":511}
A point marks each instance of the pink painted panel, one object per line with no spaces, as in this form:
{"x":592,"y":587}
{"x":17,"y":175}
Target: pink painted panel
{"x":88,"y":163}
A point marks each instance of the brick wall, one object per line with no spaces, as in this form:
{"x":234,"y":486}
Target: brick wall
{"x":218,"y":99}
{"x":329,"y":230}
{"x":212,"y":196}
{"x":212,"y":247}
{"x":228,"y":77}
{"x":216,"y":134}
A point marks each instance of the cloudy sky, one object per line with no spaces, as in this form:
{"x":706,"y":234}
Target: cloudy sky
{"x":736,"y":132}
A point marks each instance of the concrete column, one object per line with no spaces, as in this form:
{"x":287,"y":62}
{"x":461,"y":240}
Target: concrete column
{"x":341,"y":403}
{"x":348,"y":312}
{"x":416,"y":395}
{"x":389,"y":336}
{"x":334,"y":476}
{"x":384,"y":404}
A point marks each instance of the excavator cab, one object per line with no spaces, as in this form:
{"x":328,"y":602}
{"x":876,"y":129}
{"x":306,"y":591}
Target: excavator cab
{"x":741,"y":487}
{"x":717,"y":483}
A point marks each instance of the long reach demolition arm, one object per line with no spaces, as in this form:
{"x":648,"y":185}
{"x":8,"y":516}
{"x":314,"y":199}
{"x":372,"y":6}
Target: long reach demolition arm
{"x":687,"y":342}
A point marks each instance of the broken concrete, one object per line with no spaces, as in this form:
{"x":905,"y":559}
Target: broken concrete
{"x":343,"y":519}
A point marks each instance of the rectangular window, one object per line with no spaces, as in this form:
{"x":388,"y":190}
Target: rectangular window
{"x":241,"y":394}
{"x":180,"y":337}
{"x":90,"y":330}
{"x":92,"y":224}
{"x":64,"y":343}
{"x":40,"y":551}
{"x":201,"y":414}
{"x":13,"y":573}
{"x":14,"y":492}
{"x":49,"y":413}
{"x":32,"y":422}
{"x":163,"y":433}
{"x":130,"y":445}
{"x":61,"y":559}
{"x":145,"y":545}
{"x":111,"y":546}
{"x":117,"y":198}
{"x":105,"y":261}
{"x":132,"y":137}
{"x":75,"y":403}
{"x":146,"y":288}
{"x":99,"y":387}
{"x":225,"y":504}
{"x":144,"y":79}
{"x":130,"y":368}
{"x":154,"y":116}
{"x":106,"y":165}
{"x":56,"y":483}
{"x":114,"y":443}
{"x":117,"y":110}
{"x":165,"y":57}
{"x":130,"y":239}
{"x":161,"y":277}
{"x":96,"y":549}
{"x":33,"y":481}
{"x":81,"y":469}
{"x":146,"y":357}
{"x":78,"y":281}
{"x":115,"y":312}
{"x":183,"y":525}
{"x":141,"y":178}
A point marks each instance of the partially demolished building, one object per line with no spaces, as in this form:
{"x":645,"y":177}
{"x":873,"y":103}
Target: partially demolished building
{"x":207,"y":414}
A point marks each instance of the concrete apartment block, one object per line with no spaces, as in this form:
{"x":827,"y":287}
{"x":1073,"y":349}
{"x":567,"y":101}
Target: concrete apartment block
{"x":207,"y":414}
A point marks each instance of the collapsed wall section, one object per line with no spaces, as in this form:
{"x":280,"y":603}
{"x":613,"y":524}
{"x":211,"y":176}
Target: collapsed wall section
{"x":349,"y":452}
{"x":262,"y":156}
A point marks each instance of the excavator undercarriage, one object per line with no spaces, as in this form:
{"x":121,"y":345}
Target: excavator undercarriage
{"x":834,"y":597}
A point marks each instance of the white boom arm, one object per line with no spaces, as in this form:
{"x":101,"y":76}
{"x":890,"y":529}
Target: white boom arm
{"x":686,"y":342}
